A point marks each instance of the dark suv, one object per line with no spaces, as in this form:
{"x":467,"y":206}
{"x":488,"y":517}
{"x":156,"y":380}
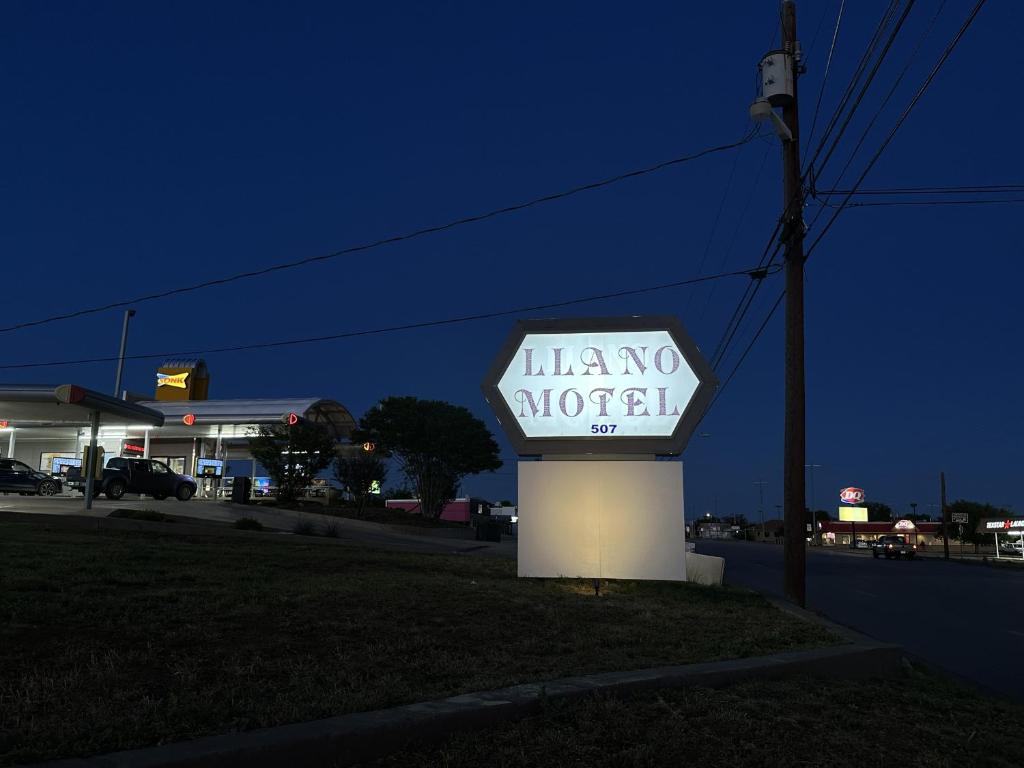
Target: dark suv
{"x":123,"y":475}
{"x":153,"y":478}
{"x":18,"y":477}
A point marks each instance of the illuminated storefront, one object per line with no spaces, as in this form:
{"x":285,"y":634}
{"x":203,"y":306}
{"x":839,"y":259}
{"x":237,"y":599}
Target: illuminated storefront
{"x":841,"y":533}
{"x":199,"y":437}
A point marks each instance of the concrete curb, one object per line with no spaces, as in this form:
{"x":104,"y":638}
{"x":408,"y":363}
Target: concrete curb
{"x":363,"y":736}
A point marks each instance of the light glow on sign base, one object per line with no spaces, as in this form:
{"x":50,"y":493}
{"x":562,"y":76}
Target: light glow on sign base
{"x":602,"y":520}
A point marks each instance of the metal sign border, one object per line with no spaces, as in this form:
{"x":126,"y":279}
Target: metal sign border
{"x":673,"y":445}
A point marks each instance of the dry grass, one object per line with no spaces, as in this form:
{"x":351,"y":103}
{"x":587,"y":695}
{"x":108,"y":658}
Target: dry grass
{"x":918,"y":721}
{"x":118,"y":639}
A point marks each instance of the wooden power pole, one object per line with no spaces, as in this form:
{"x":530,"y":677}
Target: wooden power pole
{"x":795,"y":546}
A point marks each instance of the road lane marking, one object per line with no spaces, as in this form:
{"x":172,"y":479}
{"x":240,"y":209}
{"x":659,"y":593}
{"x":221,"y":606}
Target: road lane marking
{"x":1015,"y":632}
{"x":869,"y":594}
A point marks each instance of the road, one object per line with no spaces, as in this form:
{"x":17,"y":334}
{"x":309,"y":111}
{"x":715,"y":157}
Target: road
{"x":966,"y":619}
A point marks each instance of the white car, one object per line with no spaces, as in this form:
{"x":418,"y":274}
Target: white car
{"x":1012,"y":547}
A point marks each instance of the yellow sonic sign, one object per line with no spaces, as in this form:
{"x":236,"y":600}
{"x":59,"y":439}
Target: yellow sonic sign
{"x":176,"y":380}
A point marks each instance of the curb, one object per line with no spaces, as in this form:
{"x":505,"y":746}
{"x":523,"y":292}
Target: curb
{"x":364,"y":736}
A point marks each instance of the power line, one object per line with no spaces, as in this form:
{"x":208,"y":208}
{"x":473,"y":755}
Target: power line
{"x":948,"y":190}
{"x":899,"y":122}
{"x":746,"y":301}
{"x":735,"y":233}
{"x":714,"y":225}
{"x":753,"y":273}
{"x":828,"y":66}
{"x":749,"y":346}
{"x":393,"y":239}
{"x":846,"y":202}
{"x":965,"y":201}
{"x":817,"y":168}
{"x":892,"y":90}
{"x":851,"y":86}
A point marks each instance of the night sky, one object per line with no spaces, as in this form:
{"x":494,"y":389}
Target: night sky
{"x":150,"y":146}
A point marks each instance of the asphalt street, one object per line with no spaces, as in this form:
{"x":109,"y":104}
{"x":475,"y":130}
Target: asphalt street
{"x":965,"y":619}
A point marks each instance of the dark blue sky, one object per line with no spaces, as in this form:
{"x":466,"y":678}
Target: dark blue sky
{"x":150,"y":146}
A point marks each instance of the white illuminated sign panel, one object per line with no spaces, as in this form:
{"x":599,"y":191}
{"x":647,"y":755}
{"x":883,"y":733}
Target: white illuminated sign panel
{"x":631,"y":385}
{"x":853,"y":514}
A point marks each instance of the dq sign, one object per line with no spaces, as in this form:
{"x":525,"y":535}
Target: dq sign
{"x":608,"y":385}
{"x":852,"y":496}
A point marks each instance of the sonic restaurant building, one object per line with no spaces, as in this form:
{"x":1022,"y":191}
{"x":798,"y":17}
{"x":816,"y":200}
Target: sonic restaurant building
{"x":199,"y":437}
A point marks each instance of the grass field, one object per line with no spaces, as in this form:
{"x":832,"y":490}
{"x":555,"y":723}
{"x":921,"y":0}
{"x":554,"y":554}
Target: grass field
{"x":916,"y":720}
{"x":118,"y":639}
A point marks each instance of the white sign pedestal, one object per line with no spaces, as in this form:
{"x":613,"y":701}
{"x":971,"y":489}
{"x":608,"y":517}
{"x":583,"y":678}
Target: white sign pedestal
{"x":602,"y":519}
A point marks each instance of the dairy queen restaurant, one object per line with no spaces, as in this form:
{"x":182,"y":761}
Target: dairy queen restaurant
{"x":843,"y":534}
{"x":48,"y":427}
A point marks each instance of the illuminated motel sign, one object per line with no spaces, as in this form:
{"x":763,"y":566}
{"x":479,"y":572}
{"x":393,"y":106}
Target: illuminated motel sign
{"x":606,"y":385}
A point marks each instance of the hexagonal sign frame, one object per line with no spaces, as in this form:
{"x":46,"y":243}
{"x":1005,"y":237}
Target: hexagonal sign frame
{"x":608,"y":385}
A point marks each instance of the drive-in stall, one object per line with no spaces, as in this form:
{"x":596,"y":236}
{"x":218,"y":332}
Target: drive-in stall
{"x":61,"y":411}
{"x":196,"y":437}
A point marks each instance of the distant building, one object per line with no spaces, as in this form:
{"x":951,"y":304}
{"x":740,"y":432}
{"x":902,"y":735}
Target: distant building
{"x":455,"y":511}
{"x":835,"y":533}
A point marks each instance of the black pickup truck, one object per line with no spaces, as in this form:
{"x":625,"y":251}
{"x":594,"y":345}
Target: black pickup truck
{"x":153,"y":478}
{"x":893,"y":546}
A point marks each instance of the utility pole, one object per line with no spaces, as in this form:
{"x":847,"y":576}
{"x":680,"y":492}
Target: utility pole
{"x":128,"y":315}
{"x":794,"y":496}
{"x":945,"y":516}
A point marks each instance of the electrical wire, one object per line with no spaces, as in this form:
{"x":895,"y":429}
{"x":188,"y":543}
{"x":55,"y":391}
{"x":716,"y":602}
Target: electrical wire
{"x":828,"y":66}
{"x":979,"y":188}
{"x":924,"y":203}
{"x":753,"y":341}
{"x":404,"y":327}
{"x":892,"y":90}
{"x":735,"y":233}
{"x":392,"y":239}
{"x":846,"y":202}
{"x":714,"y":225}
{"x":819,"y":167}
{"x":852,"y":85}
{"x":899,"y":122}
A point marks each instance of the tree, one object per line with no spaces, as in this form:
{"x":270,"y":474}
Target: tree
{"x":292,"y":455}
{"x":878,"y":512}
{"x":975,"y":512}
{"x":436,"y":444}
{"x":357,"y":474}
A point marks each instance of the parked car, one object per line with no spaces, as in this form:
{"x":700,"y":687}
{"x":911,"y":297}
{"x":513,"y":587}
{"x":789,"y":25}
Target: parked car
{"x":1012,"y":547}
{"x":18,"y":477}
{"x":893,"y":546}
{"x":154,"y":478}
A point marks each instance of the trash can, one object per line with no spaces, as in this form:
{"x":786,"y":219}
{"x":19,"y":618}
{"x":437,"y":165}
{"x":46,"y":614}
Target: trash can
{"x":241,"y":490}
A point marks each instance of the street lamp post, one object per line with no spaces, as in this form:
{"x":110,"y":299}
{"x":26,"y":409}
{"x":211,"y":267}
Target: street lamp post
{"x":814,"y":526}
{"x":128,"y":315}
{"x":812,"y":467}
{"x":760,"y":487}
